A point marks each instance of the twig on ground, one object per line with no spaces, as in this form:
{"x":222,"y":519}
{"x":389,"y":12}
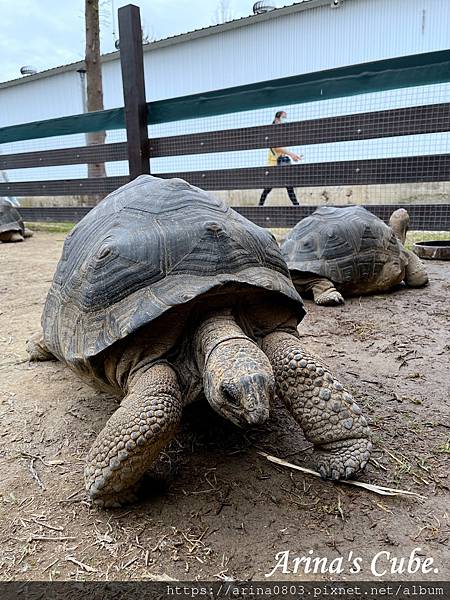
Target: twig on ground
{"x":45,"y":538}
{"x":50,"y":565}
{"x":377,"y":489}
{"x":47,"y":525}
{"x":35,"y":475}
{"x":82,"y":566}
{"x":157,"y":547}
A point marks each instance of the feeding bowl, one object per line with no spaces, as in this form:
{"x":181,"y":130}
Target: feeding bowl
{"x":433,"y":250}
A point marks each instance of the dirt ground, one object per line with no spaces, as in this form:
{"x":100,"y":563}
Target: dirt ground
{"x":219,"y":509}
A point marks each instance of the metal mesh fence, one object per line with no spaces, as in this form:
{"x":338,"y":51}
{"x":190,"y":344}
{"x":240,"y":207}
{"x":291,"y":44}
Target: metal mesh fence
{"x":379,"y":148}
{"x":318,"y":160}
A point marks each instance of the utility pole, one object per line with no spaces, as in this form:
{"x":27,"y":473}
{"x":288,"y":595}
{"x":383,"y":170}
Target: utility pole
{"x":94,"y":86}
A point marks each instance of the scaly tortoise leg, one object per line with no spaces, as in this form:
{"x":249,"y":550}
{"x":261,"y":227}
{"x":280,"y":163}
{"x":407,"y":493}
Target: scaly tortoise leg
{"x":329,"y":417}
{"x":321,"y":288}
{"x":324,"y":292}
{"x":133,"y":437}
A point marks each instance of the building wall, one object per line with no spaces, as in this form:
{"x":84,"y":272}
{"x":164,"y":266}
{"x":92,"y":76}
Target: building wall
{"x":309,"y":40}
{"x":39,"y":99}
{"x":306,"y":41}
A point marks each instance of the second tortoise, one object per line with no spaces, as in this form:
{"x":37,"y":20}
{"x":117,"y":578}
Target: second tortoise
{"x":347,"y":251}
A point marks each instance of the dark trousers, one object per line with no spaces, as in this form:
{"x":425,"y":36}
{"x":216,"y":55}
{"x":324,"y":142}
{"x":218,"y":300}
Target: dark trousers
{"x":290,"y":191}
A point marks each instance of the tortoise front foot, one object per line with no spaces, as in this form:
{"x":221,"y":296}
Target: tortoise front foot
{"x":327,"y":413}
{"x":323,"y":291}
{"x":119,"y":499}
{"x":133,"y":437}
{"x":329,"y":298}
{"x":343,"y":459}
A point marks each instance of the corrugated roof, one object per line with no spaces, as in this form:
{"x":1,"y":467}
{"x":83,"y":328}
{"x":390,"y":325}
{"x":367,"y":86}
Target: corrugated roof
{"x":180,"y":38}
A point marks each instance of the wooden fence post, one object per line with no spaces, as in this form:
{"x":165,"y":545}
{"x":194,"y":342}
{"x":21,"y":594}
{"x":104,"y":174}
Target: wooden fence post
{"x":132,"y":64}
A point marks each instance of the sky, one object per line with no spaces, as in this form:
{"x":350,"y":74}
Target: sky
{"x":50,"y":33}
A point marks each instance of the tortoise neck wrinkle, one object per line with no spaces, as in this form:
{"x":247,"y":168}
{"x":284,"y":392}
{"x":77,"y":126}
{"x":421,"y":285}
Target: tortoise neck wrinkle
{"x":217,"y":328}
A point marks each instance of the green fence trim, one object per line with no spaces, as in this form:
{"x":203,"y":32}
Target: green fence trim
{"x":101,"y":120}
{"x":395,"y":73}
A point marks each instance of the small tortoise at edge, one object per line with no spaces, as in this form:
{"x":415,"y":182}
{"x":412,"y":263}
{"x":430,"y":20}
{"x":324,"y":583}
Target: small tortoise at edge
{"x":163,"y":294}
{"x":12,"y":228}
{"x":348,"y":251}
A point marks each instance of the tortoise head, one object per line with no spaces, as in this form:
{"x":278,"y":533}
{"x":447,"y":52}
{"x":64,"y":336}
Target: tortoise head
{"x":399,"y":223}
{"x":238,"y":381}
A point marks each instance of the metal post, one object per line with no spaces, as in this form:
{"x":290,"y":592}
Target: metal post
{"x":132,"y":63}
{"x":82,"y":73}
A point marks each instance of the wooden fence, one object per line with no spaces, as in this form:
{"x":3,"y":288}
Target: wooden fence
{"x":139,"y":150}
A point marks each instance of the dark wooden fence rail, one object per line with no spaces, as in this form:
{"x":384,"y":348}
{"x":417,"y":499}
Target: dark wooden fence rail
{"x":411,"y":169}
{"x":416,"y":120}
{"x":138,"y":150}
{"x":431,"y":118}
{"x":65,"y":156}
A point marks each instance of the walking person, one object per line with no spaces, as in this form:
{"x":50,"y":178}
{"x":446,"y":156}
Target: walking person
{"x":280,"y":156}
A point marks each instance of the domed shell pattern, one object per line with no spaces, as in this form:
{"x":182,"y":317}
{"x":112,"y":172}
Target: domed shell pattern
{"x":151,"y":245}
{"x":346,"y":245}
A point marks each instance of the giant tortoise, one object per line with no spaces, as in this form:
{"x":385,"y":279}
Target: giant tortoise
{"x":338,"y":252}
{"x":12,"y":228}
{"x":163,"y":294}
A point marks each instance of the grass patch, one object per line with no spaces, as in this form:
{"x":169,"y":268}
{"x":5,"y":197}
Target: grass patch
{"x":411,"y":237}
{"x":63,"y":227}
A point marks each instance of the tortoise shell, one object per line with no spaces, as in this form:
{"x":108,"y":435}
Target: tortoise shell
{"x":346,"y":245}
{"x":151,"y":245}
{"x":10,"y":219}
